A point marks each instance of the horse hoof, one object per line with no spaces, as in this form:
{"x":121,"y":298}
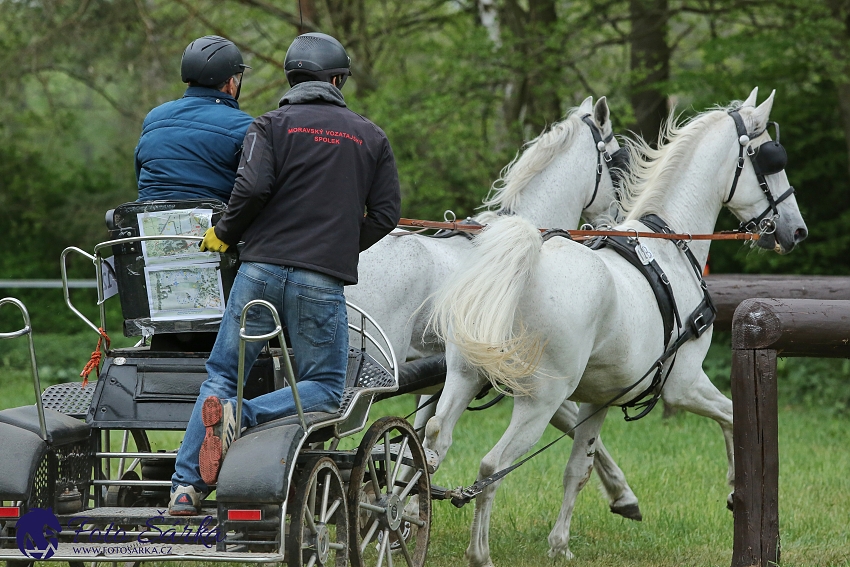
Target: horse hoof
{"x":730,"y":503}
{"x":566,"y":553}
{"x":629,"y":511}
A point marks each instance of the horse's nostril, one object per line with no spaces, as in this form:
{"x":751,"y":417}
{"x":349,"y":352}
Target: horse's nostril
{"x":800,"y":235}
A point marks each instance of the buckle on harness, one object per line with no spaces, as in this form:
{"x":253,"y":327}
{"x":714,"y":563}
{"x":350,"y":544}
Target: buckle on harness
{"x":741,"y":162}
{"x":699,"y":324}
{"x":598,"y":169}
{"x":606,"y":156}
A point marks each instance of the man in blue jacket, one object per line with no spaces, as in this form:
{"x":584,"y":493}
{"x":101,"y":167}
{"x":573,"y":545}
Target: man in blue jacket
{"x":190,"y":147}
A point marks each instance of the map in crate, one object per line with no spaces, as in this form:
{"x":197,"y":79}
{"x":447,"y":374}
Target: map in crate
{"x":183,"y":283}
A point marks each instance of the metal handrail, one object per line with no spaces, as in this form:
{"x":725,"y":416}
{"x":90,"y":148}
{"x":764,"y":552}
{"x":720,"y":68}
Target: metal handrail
{"x":97,"y":260}
{"x":27,"y":330}
{"x":289,"y":374}
{"x":389,"y":353}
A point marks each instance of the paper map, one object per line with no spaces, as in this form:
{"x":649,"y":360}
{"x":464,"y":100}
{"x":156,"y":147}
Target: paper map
{"x":184,"y":291}
{"x":194,"y":222}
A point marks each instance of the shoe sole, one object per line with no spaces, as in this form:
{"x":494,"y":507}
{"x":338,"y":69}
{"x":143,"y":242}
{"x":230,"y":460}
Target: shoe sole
{"x":181,"y":511}
{"x":209,"y":459}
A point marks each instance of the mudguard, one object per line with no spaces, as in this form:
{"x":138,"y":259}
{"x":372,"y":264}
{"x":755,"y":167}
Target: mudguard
{"x":258,"y":464}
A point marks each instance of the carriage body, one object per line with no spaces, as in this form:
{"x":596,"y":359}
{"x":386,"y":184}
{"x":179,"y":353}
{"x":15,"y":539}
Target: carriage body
{"x":285,"y":492}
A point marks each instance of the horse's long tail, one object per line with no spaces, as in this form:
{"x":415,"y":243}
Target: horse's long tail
{"x":476,"y":309}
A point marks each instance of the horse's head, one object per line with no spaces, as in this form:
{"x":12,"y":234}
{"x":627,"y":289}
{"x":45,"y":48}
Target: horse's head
{"x":760,"y":195}
{"x":611,"y":161}
{"x":563,"y":174}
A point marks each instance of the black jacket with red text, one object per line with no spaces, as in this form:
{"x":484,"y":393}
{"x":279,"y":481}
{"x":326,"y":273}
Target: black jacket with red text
{"x":317,"y":184}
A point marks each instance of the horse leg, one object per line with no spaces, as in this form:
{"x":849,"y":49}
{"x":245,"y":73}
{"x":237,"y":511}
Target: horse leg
{"x":621,"y":499}
{"x":423,"y":415}
{"x":701,"y":397}
{"x":530,"y":416}
{"x":576,"y":475}
{"x":462,"y":384}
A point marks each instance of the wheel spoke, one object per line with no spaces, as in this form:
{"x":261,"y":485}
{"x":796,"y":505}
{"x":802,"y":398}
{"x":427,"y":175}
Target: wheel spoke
{"x":337,"y":546}
{"x":388,"y":548}
{"x":403,"y":547}
{"x":332,"y":509}
{"x":312,"y":560}
{"x":388,"y":461}
{"x":382,"y":547}
{"x":373,"y":474}
{"x":410,"y":485}
{"x":397,"y":466}
{"x":413,"y":520}
{"x":311,"y":523}
{"x":372,"y":508}
{"x":323,"y":514}
{"x":372,"y":529}
{"x":311,"y":497}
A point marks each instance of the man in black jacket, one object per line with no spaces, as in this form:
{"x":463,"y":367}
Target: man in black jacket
{"x":316,"y":185}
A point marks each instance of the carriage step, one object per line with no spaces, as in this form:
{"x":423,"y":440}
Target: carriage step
{"x":72,"y":399}
{"x":431,"y":458}
{"x":140,"y":516}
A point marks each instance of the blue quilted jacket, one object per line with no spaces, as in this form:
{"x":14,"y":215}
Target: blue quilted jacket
{"x":190,"y":147}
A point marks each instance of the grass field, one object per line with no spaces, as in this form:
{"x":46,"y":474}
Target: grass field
{"x":675,"y":466}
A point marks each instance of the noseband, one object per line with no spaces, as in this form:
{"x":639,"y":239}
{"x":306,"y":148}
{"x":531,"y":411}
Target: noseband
{"x":767,"y":159}
{"x":618,"y":161}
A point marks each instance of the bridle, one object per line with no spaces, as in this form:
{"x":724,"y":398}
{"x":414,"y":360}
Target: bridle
{"x":617,"y":163}
{"x":767,"y":159}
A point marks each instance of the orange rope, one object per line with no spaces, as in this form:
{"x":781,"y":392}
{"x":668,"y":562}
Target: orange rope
{"x":94,"y":362}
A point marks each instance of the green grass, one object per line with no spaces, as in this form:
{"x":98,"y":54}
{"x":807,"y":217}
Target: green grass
{"x":675,"y":466}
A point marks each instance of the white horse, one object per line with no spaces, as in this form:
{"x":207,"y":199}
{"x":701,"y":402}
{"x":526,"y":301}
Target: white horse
{"x":561,"y":321}
{"x":552,"y":183}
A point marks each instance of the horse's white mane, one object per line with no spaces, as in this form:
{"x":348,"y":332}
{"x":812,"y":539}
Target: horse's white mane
{"x":534,"y":157}
{"x":651,"y":170}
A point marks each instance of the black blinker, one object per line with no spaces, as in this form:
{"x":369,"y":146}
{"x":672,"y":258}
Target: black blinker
{"x":771,"y":157}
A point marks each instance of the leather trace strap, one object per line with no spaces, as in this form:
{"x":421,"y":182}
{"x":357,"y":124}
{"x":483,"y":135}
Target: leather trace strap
{"x":583,"y":234}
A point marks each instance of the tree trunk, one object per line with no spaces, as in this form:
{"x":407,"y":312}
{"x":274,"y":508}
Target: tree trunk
{"x":306,"y":10}
{"x":650,"y":65}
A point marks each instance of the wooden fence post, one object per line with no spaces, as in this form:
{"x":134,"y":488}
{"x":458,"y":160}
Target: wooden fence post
{"x":762,"y":330}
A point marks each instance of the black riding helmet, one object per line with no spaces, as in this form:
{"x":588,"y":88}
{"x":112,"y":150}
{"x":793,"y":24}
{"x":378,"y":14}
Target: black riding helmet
{"x":211,"y":60}
{"x":316,"y":57}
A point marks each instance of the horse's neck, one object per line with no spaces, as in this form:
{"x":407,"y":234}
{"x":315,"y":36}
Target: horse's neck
{"x":694,"y":198}
{"x":556,"y":196}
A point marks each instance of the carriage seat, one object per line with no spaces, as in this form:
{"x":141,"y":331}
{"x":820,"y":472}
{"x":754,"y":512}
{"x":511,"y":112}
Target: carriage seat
{"x":22,"y":452}
{"x":61,"y":429}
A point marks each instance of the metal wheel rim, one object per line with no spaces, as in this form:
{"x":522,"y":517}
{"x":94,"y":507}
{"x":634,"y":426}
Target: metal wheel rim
{"x":374,"y":542}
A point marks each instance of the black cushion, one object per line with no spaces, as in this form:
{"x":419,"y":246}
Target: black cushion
{"x":61,"y":429}
{"x":20,"y":454}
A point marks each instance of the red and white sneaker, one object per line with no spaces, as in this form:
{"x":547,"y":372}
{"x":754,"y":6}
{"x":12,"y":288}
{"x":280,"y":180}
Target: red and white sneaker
{"x":219,"y":417}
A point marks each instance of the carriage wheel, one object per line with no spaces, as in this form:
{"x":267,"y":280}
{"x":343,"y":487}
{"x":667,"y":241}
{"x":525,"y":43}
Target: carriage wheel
{"x":389,"y":497}
{"x":318,"y":531}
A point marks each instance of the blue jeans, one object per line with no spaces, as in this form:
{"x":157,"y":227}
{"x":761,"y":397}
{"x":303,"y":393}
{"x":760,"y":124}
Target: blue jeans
{"x":312,"y":307}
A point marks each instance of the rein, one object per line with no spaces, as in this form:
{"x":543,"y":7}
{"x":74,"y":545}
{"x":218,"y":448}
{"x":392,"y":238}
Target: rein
{"x":581,"y":234}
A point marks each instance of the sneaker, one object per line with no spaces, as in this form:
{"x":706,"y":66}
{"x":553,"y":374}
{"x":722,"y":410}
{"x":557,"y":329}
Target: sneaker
{"x":219,"y":417}
{"x":185,"y":501}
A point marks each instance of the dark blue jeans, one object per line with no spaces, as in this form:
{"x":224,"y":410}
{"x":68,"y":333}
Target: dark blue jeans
{"x":312,"y":306}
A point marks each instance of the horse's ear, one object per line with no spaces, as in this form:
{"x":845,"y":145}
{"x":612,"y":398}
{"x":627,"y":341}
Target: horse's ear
{"x":751,"y":100}
{"x":602,"y":116}
{"x":762,"y":113}
{"x":586,"y":105}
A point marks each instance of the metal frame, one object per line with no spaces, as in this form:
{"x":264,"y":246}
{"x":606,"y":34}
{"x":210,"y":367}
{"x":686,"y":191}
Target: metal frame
{"x":27,"y":330}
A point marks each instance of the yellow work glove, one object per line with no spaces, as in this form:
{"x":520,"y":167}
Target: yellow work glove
{"x":212,"y":243}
